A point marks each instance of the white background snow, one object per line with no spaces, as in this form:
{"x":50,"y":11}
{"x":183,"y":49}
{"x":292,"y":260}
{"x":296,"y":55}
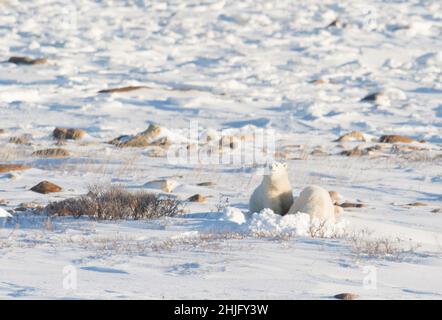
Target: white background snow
{"x":230,"y":65}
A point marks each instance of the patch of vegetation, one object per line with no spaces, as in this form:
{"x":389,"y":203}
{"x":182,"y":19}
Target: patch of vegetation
{"x":388,"y":248}
{"x":113,"y":203}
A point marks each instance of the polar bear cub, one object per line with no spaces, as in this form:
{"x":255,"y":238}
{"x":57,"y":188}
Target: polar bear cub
{"x":274,"y":192}
{"x":315,"y":201}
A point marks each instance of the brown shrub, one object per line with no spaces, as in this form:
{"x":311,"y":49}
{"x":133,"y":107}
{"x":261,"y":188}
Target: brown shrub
{"x":112,"y":203}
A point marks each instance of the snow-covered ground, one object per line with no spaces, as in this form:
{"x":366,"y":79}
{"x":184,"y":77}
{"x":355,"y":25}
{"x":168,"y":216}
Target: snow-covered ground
{"x":237,"y":66}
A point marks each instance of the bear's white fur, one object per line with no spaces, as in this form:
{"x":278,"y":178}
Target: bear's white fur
{"x":274,"y":192}
{"x":315,"y":201}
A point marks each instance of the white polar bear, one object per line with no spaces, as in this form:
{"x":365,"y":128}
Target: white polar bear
{"x":315,"y":201}
{"x":274,"y":192}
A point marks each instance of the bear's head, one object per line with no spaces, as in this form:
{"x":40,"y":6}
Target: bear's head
{"x":277,"y":168}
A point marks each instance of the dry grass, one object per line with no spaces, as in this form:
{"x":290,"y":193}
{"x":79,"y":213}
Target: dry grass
{"x":365,"y":246}
{"x":321,"y":230}
{"x":204,"y":239}
{"x":12,"y":152}
{"x":113,"y":203}
{"x":128,"y":245}
{"x":223,"y":202}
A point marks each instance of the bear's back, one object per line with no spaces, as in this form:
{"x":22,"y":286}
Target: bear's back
{"x":315,"y":201}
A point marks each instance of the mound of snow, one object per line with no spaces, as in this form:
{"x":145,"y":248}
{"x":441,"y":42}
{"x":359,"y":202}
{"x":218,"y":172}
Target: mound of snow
{"x":4,"y":213}
{"x":419,"y":28}
{"x":233,"y":215}
{"x":267,"y":222}
{"x":173,"y":136}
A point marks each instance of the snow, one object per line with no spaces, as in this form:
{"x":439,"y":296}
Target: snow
{"x":235,"y":67}
{"x":4,"y":213}
{"x":233,"y":215}
{"x":267,"y":221}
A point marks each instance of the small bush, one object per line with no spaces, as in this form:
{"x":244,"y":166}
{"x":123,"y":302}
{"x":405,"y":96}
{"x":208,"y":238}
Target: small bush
{"x":112,"y":203}
{"x":223,"y":202}
{"x":386,"y":248}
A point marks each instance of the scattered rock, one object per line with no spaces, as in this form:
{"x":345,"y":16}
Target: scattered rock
{"x":438,"y":210}
{"x":372,"y":97}
{"x":152,"y":131}
{"x":417,"y":204}
{"x":205,"y":184}
{"x":346,"y":296}
{"x":319,"y":152}
{"x":68,"y":133}
{"x":371,"y":150}
{"x":378,"y":98}
{"x":358,"y":151}
{"x":395,"y":28}
{"x":162,"y":142}
{"x":13,"y":167}
{"x":351,"y":205}
{"x":355,"y":152}
{"x":27,"y":60}
{"x":197,"y":198}
{"x":156,"y":153}
{"x":2,"y":131}
{"x":46,"y":187}
{"x":336,"y":24}
{"x":142,"y":139}
{"x":319,"y":81}
{"x":139,"y":141}
{"x":406,"y":148}
{"x":4,"y":202}
{"x":23,"y":139}
{"x":395,"y":139}
{"x":52,"y":153}
{"x":130,"y":141}
{"x":123,"y":89}
{"x":334,"y":196}
{"x":165,"y":185}
{"x":352,"y":136}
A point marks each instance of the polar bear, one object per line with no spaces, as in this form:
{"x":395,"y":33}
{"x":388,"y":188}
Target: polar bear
{"x":315,"y":201}
{"x":274,"y":192}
